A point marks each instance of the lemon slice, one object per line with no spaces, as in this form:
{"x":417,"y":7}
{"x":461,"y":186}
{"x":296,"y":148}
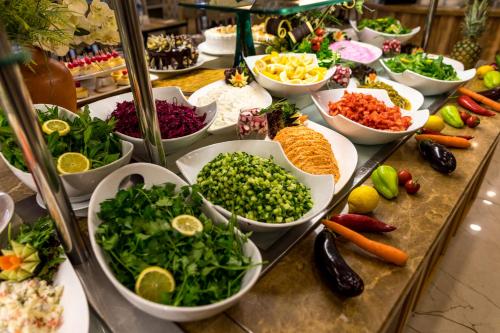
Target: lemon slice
{"x":56,"y":125}
{"x":72,"y":163}
{"x":187,"y":225}
{"x":153,"y":282}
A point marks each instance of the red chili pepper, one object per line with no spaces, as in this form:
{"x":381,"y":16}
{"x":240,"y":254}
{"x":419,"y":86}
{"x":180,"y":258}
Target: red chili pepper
{"x":362,"y":223}
{"x":469,"y":104}
{"x":426,"y":131}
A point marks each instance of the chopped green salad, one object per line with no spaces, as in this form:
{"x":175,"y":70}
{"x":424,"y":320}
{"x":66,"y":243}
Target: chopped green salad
{"x":89,"y":136}
{"x":388,"y":25}
{"x":138,"y":232}
{"x":420,"y":63}
{"x":254,"y":187}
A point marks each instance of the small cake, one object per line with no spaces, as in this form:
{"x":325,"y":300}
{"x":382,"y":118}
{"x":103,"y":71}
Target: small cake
{"x":221,"y":39}
{"x":123,"y":80}
{"x":81,"y":92}
{"x":116,"y":59}
{"x":171,"y":52}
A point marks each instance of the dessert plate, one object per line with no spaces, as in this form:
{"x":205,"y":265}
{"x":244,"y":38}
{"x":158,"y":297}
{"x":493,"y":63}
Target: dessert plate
{"x":205,"y":48}
{"x":202,"y":59}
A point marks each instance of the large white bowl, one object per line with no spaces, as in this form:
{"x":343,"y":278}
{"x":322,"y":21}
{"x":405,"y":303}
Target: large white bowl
{"x":6,"y":210}
{"x":103,"y":109}
{"x":322,"y":186}
{"x":377,"y":38}
{"x":261,"y":99}
{"x":282,"y":89}
{"x":359,"y":133}
{"x":156,"y":175}
{"x":79,"y":186}
{"x":429,"y":86}
{"x":413,"y":95}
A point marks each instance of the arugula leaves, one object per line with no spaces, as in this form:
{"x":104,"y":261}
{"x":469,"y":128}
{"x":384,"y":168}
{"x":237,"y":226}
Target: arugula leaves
{"x":89,"y":136}
{"x":42,"y":235}
{"x":136,"y":233}
{"x":420,"y":63}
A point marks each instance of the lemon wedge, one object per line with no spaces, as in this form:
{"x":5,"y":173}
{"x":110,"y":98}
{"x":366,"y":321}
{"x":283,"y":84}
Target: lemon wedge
{"x":56,"y":125}
{"x":187,"y":225}
{"x":153,"y":282}
{"x":72,"y":163}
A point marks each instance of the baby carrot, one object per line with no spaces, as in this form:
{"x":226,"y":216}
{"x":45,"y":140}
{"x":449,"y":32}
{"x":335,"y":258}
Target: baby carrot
{"x":383,"y":251}
{"x":448,"y":141}
{"x":480,"y":98}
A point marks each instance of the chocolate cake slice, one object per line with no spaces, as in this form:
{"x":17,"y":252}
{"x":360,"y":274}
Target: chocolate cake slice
{"x":171,"y":52}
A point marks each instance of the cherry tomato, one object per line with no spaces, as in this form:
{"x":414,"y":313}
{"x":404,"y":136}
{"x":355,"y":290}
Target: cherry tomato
{"x":320,"y":39}
{"x":404,"y":176}
{"x":319,"y":31}
{"x":472,"y":121}
{"x":316,"y":47}
{"x":464,"y":115}
{"x":315,"y":40}
{"x":412,"y":186}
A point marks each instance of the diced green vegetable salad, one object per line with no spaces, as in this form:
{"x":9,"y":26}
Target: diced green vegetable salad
{"x":420,"y":63}
{"x":388,"y":25}
{"x":136,"y":233}
{"x":254,"y":187}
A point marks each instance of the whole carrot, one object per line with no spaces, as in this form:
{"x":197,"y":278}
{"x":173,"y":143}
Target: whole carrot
{"x":427,"y":131}
{"x":480,"y":98}
{"x":383,"y":251}
{"x":448,"y":141}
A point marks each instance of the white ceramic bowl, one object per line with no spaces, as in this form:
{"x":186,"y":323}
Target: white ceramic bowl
{"x":322,"y":186}
{"x":413,"y":95}
{"x":282,"y":89}
{"x":260,"y":99}
{"x":373,"y":37}
{"x":6,"y":210}
{"x":103,"y":109}
{"x":429,"y":86}
{"x":358,"y":133}
{"x":155,"y":175}
{"x":375,"y":51}
{"x":79,"y":186}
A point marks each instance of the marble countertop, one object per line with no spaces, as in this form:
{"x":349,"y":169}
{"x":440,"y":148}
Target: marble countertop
{"x":292,"y":298}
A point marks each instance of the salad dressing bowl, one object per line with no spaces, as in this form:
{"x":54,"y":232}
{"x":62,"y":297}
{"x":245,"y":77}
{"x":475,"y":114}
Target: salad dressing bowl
{"x":156,"y":175}
{"x":80,"y":185}
{"x":377,"y":38}
{"x":429,"y":86}
{"x":283,"y":89}
{"x":322,"y":186}
{"x":103,"y":109}
{"x":357,"y":132}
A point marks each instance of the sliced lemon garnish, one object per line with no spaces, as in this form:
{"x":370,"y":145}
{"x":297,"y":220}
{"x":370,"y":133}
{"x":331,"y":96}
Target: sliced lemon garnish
{"x":153,"y":282}
{"x":56,"y":125}
{"x":187,"y":225}
{"x":72,"y":163}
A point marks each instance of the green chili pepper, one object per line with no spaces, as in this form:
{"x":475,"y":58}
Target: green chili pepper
{"x":385,"y":181}
{"x":492,"y":79}
{"x":451,"y":116}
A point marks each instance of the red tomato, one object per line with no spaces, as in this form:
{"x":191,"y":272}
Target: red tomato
{"x":412,"y":186}
{"x":404,"y":176}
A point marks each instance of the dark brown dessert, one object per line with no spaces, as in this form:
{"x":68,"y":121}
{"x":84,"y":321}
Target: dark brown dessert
{"x":171,"y":52}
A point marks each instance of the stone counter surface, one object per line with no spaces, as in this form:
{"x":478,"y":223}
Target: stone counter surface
{"x":292,"y":298}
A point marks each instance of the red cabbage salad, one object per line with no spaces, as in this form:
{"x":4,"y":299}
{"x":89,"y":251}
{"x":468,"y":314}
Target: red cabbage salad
{"x":175,"y":120}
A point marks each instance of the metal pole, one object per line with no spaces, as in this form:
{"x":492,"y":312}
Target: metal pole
{"x":16,"y":102}
{"x":133,"y":48}
{"x":428,"y":23}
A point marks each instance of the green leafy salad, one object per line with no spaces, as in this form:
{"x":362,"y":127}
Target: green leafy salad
{"x":139,"y":233}
{"x":388,"y":25}
{"x":420,"y":63}
{"x":92,"y":137}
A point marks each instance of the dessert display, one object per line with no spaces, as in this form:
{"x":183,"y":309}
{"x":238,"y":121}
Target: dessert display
{"x":171,"y":52}
{"x":221,"y":39}
{"x":123,"y":79}
{"x":87,"y":65}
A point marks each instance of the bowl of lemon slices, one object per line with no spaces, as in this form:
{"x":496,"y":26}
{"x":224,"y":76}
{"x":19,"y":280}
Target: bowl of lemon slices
{"x":85,"y":150}
{"x":287,"y":74}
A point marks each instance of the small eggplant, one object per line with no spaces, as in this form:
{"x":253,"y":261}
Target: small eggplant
{"x":335,"y":271}
{"x":493,"y":94}
{"x":440,"y":158}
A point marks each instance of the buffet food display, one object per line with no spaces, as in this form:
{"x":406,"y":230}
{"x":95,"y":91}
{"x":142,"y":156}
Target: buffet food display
{"x":251,"y":160}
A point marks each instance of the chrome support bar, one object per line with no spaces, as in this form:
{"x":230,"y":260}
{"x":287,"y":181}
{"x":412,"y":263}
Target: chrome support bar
{"x":428,"y":23}
{"x":16,"y":103}
{"x":133,"y":48}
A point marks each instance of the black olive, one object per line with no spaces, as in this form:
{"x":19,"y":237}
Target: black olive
{"x":334,"y":270}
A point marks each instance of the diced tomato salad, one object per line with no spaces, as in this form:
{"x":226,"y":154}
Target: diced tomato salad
{"x":369,"y":111}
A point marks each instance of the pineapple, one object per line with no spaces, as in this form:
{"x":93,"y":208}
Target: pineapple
{"x":467,"y":50}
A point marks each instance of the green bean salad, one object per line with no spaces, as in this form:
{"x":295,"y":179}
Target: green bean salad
{"x":254,"y":187}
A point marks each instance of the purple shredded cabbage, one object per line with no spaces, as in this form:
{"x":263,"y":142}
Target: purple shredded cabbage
{"x":175,"y":120}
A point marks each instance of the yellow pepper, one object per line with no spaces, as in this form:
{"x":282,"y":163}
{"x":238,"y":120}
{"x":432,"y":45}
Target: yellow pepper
{"x":482,"y":70}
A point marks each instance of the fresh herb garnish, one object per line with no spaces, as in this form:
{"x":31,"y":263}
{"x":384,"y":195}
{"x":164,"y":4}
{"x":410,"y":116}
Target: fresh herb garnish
{"x":136,"y":233}
{"x":89,"y":136}
{"x":326,"y":57}
{"x":281,"y":114}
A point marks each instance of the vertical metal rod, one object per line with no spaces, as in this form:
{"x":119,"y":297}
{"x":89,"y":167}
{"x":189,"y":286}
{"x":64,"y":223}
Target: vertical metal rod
{"x":133,"y":48}
{"x":16,"y":103}
{"x":428,"y":23}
